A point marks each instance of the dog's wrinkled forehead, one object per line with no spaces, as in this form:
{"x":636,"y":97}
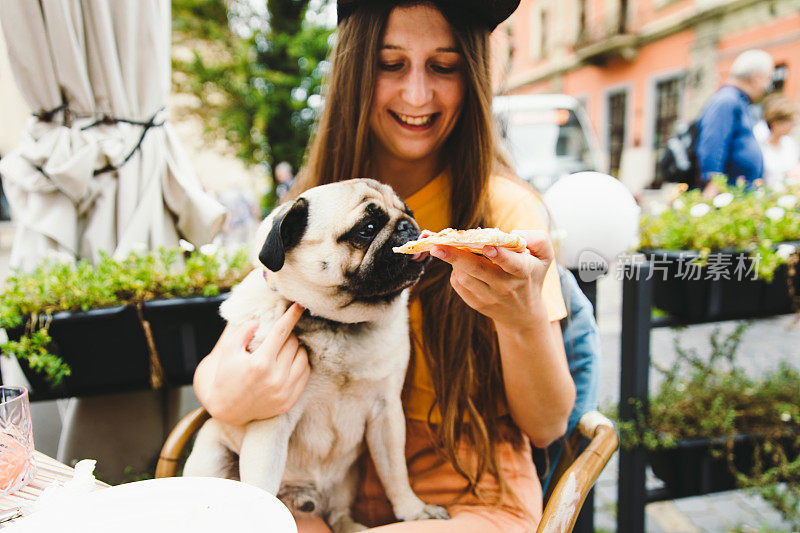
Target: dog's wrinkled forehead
{"x":351,"y":212}
{"x":342,"y":205}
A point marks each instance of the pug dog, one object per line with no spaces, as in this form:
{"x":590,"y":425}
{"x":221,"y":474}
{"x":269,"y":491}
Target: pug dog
{"x":330,"y":251}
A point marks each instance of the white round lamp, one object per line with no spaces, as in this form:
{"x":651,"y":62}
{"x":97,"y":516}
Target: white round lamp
{"x":592,"y":213}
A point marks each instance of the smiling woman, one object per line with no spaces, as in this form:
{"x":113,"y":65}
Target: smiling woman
{"x":409,"y":104}
{"x":418,"y":94}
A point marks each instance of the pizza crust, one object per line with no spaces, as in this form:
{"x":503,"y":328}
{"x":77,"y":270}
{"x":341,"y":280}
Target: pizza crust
{"x":472,"y":240}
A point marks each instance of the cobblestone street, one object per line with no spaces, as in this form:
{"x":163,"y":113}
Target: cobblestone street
{"x":763,"y":346}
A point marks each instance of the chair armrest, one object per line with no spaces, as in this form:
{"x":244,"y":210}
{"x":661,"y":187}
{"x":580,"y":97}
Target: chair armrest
{"x":590,"y":422}
{"x":573,"y":486}
{"x":175,"y":445}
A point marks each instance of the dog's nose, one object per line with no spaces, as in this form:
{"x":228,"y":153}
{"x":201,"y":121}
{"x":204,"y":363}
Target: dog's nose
{"x":406,"y":230}
{"x":308,"y":507}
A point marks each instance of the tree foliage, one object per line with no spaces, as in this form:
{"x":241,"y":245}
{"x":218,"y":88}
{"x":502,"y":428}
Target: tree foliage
{"x":255,"y":73}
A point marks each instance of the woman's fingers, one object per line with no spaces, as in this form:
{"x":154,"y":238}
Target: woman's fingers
{"x":234,"y":338}
{"x":515,"y":263}
{"x":539,"y":243}
{"x":299,"y":365}
{"x":246,"y":334}
{"x":490,"y":267}
{"x":469,"y":296}
{"x":468,"y":281}
{"x":243,"y":386}
{"x":467,"y":262}
{"x":294,"y":382}
{"x":299,"y":373}
{"x":500,"y":283}
{"x":285,"y":356}
{"x":281,"y":330}
{"x":520,"y":265}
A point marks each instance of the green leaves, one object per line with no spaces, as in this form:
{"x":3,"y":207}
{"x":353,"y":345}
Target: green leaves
{"x":33,"y":348}
{"x":255,"y":86}
{"x":737,"y":219}
{"x":29,"y":299}
{"x":54,"y":286}
{"x":710,"y":397}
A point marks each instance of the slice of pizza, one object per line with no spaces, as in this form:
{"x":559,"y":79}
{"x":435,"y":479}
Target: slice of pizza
{"x":466,"y":239}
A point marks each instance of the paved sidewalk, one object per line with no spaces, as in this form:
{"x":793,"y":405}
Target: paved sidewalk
{"x":763,"y":346}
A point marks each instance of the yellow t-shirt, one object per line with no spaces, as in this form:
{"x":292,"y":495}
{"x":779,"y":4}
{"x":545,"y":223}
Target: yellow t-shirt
{"x":513,"y":206}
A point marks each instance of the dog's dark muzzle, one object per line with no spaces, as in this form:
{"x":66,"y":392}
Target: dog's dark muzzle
{"x":404,"y":231}
{"x":388,"y":273}
{"x":401,"y":266}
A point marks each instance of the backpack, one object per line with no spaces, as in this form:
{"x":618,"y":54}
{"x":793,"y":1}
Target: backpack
{"x":679,"y":163}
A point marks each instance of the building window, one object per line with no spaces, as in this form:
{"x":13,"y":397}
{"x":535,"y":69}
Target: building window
{"x":668,"y":100}
{"x":617,"y":104}
{"x":534,"y":35}
{"x":539,"y":34}
{"x":543,"y":34}
{"x":622,"y":25}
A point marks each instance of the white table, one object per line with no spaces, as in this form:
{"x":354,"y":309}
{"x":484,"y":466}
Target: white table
{"x":47,"y":471}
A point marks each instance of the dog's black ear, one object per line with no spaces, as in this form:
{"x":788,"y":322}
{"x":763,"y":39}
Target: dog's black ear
{"x":286,"y":232}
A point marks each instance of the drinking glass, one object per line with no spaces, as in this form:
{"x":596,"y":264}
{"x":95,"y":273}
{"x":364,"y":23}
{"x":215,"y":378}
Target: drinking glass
{"x":16,"y":440}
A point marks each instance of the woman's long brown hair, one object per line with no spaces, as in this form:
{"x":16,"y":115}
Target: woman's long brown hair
{"x":460,"y":344}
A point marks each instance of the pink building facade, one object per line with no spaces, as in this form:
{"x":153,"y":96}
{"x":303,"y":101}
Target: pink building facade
{"x":640,"y":67}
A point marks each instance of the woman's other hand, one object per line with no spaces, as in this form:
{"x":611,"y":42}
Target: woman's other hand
{"x":237,"y":386}
{"x":506,"y":286}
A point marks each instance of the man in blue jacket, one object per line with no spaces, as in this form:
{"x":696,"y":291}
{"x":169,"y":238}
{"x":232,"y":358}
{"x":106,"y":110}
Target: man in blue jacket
{"x":726,"y":144}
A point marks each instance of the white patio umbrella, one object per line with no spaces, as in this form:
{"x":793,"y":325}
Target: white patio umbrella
{"x":100,"y":169}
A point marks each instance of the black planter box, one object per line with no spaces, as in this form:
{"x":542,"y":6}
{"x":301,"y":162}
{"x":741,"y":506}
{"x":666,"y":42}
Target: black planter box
{"x":727,"y":294}
{"x":105,"y":348}
{"x":184,"y":330}
{"x":690,"y":469}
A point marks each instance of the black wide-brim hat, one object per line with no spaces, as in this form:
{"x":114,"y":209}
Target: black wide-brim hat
{"x":487,"y":13}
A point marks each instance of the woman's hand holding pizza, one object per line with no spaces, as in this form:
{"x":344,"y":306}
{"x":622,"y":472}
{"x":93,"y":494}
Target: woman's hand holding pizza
{"x":502,"y":284}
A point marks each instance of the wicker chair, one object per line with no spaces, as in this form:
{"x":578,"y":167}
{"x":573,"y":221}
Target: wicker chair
{"x":177,"y":444}
{"x":576,"y":470}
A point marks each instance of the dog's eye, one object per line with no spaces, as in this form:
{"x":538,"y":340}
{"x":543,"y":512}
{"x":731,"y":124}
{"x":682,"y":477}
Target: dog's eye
{"x":368,"y":230}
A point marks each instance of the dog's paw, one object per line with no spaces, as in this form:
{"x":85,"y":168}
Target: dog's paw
{"x":346,"y":524}
{"x":423,"y":512}
{"x":433,"y":512}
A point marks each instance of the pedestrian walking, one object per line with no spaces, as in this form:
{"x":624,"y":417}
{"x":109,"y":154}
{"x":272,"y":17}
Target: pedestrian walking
{"x":726,"y":143}
{"x":284,"y":179}
{"x":241,"y":219}
{"x":779,"y":149}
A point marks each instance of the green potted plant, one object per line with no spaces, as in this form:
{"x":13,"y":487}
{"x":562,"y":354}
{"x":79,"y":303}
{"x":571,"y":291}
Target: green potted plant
{"x":730,"y":256}
{"x":709,"y":427}
{"x":138,"y":322}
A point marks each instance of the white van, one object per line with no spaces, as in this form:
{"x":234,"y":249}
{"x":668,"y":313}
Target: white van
{"x":548,"y":135}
